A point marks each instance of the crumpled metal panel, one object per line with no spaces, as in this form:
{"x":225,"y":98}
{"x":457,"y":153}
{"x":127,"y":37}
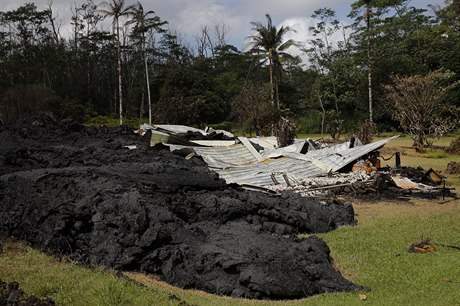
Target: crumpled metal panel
{"x":236,"y":164}
{"x":173,"y":128}
{"x":406,"y":183}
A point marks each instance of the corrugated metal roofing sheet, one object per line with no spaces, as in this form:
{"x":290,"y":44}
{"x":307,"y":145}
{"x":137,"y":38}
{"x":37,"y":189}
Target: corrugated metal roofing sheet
{"x":236,"y":163}
{"x":178,"y":129}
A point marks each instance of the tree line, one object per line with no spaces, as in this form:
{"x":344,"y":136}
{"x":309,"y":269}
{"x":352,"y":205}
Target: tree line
{"x":140,"y":69}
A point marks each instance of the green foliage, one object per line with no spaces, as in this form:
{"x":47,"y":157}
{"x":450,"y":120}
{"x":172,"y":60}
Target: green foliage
{"x":309,"y":123}
{"x":83,"y":68}
{"x":334,"y":124}
{"x":267,"y":43}
{"x":75,"y":110}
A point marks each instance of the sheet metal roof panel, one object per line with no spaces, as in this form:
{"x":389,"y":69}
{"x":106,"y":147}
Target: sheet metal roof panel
{"x":227,"y":157}
{"x":260,"y":174}
{"x":268,"y":142}
{"x":222,"y":157}
{"x":236,"y":164}
{"x":178,"y":129}
{"x":347,"y":156}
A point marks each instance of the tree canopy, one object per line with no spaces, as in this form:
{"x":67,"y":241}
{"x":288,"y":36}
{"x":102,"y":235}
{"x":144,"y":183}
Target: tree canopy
{"x":141,"y":63}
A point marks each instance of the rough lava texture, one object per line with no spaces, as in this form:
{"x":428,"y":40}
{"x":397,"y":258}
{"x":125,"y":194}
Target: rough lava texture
{"x":72,"y":190}
{"x":12,"y":294}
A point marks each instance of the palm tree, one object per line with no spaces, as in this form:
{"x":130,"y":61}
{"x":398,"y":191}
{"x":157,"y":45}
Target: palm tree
{"x":268,"y":42}
{"x":117,"y":9}
{"x":142,"y":24}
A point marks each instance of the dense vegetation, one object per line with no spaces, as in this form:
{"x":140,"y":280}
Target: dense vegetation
{"x":95,"y":72}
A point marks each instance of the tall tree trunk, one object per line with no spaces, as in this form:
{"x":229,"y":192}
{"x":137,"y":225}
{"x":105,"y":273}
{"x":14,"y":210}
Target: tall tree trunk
{"x":120,"y":93}
{"x":272,"y":86}
{"x":323,"y":112}
{"x":369,"y":61}
{"x":277,"y":96}
{"x":141,"y":111}
{"x":147,"y":80}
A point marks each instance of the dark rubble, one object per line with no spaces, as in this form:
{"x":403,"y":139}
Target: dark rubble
{"x":75,"y":191}
{"x":12,"y":294}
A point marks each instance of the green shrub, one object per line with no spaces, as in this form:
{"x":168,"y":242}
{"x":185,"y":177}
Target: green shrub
{"x":309,"y":123}
{"x":226,"y":125}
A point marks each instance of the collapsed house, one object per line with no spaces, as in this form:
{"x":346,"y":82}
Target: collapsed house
{"x":307,"y":166}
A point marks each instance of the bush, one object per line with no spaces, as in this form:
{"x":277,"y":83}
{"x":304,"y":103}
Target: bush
{"x":25,"y":100}
{"x":70,"y":108}
{"x":226,"y":125}
{"x":309,"y":123}
{"x":454,"y":147}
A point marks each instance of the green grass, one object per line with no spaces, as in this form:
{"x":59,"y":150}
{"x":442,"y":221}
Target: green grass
{"x":375,"y":254}
{"x":70,"y":284}
{"x":112,"y":121}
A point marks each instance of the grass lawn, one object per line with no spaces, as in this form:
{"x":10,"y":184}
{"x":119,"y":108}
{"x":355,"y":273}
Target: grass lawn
{"x":373,"y":253}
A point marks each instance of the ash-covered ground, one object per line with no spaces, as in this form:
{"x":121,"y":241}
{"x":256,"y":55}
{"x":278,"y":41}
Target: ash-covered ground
{"x":76,"y":191}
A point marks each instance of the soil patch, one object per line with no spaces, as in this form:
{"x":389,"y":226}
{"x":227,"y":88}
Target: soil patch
{"x":77,"y":191}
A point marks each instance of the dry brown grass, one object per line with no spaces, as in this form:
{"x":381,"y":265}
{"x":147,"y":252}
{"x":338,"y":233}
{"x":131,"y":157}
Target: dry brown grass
{"x":369,"y":212}
{"x":199,"y":297}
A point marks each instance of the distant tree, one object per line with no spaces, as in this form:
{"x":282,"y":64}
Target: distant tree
{"x":389,"y":37}
{"x":117,"y":9}
{"x":269,"y":42}
{"x":322,"y":53}
{"x":253,"y":109}
{"x":175,"y":108}
{"x":144,"y":22}
{"x":419,"y":108}
{"x":27,"y":41}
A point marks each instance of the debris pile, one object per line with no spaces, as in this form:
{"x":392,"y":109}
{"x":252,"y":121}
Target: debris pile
{"x":404,"y":183}
{"x":423,"y":247}
{"x":77,"y":191}
{"x":453,"y":168}
{"x":308,"y":167}
{"x":358,"y":183}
